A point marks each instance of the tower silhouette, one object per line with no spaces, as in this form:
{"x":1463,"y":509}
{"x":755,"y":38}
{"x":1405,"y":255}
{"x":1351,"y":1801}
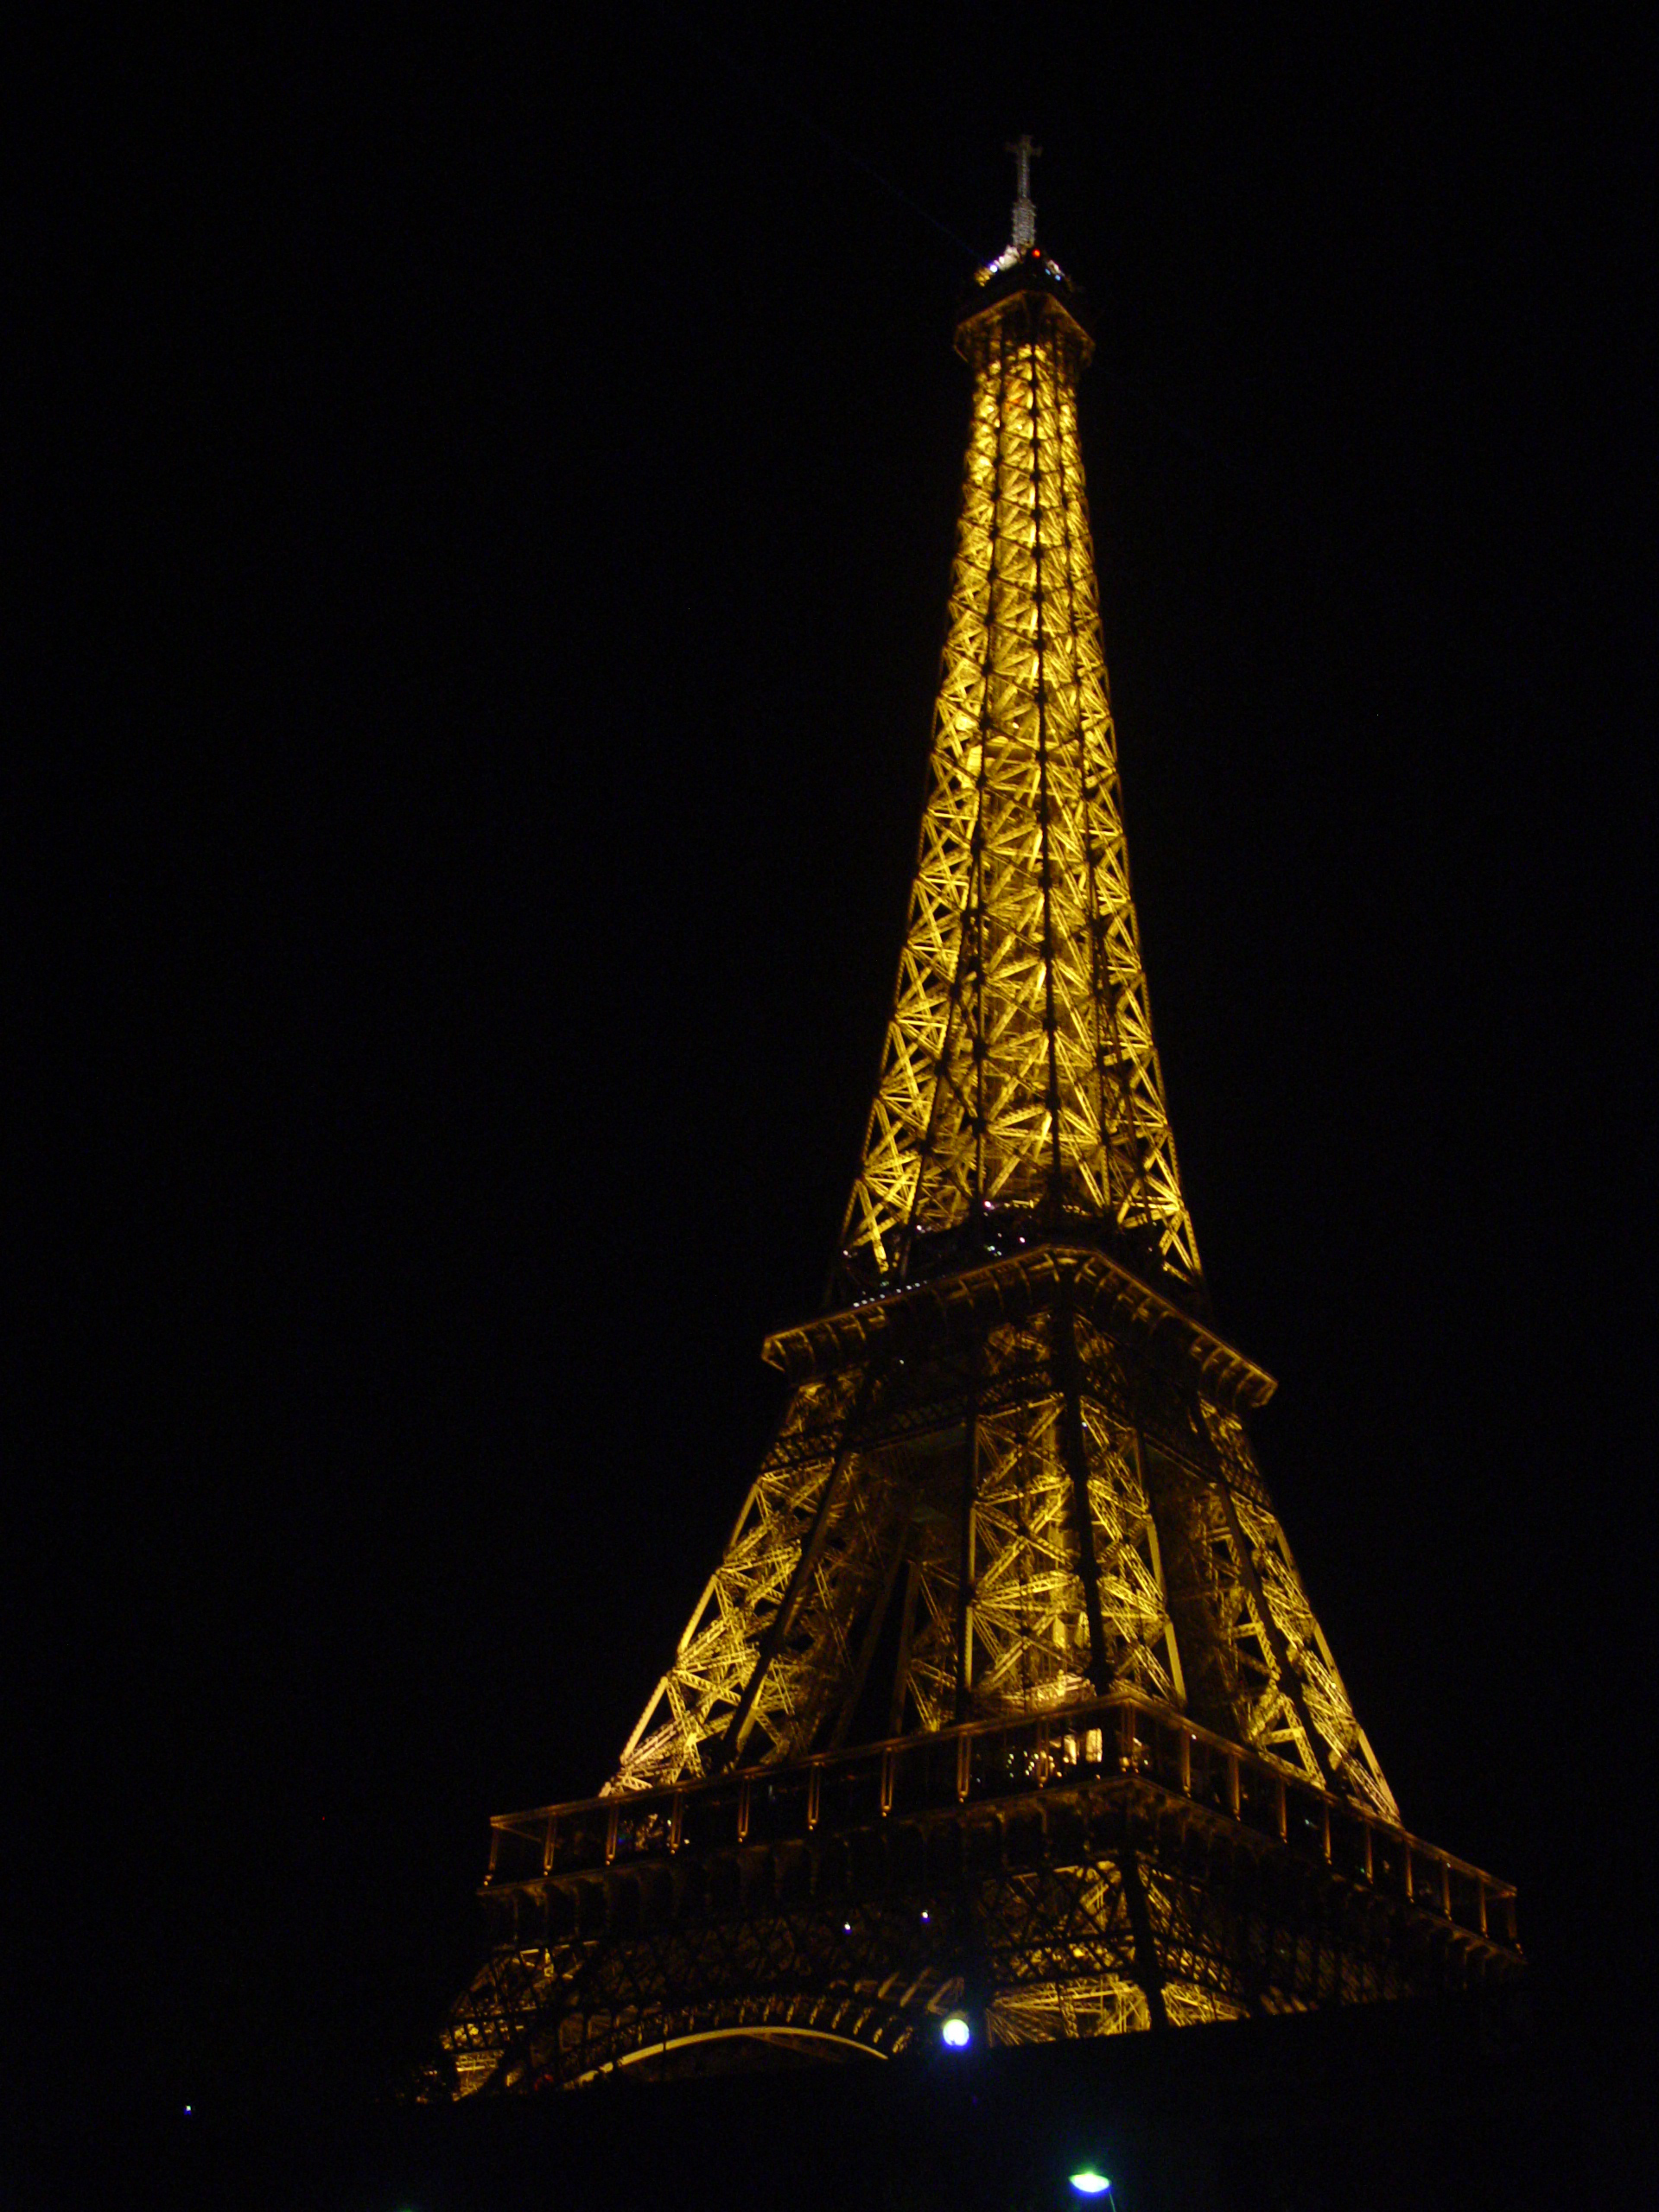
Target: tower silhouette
{"x":1005,"y":1707}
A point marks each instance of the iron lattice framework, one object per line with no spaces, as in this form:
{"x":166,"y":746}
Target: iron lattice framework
{"x":1020,"y":1071}
{"x":1021,"y":1485}
{"x":1007,"y":1693}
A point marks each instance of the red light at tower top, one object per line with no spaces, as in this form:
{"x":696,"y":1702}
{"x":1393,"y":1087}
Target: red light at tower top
{"x":1022,"y":243}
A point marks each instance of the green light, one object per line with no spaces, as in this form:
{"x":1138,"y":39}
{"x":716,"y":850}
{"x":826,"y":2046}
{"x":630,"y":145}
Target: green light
{"x":957,"y":2032}
{"x":1088,"y":2182}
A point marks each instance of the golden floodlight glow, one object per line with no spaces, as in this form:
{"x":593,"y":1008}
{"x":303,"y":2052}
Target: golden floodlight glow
{"x":1020,"y":1089}
{"x":1019,"y":1067}
{"x":1004,"y":1716}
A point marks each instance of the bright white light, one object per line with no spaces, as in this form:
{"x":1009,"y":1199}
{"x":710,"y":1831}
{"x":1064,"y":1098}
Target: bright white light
{"x":957,"y":2032}
{"x":1088,"y":2182}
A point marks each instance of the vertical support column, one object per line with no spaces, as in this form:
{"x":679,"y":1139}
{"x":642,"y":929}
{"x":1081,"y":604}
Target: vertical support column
{"x":986,"y":725}
{"x":1033,"y":353}
{"x":872,"y":1633}
{"x":1172,"y":1647}
{"x":1289,"y":1680}
{"x":967,"y":1559}
{"x":812,"y":1550}
{"x":1148,"y":1969}
{"x":1074,"y":1443}
{"x":901,"y":1672}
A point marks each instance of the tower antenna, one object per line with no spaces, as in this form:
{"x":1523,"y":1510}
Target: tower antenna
{"x":1025,"y":210}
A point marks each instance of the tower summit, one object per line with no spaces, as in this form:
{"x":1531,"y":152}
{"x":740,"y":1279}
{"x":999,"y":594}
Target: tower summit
{"x":1024,"y":232}
{"x":1006,"y":1703}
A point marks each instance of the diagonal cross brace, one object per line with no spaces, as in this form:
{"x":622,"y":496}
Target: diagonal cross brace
{"x":811,"y":1551}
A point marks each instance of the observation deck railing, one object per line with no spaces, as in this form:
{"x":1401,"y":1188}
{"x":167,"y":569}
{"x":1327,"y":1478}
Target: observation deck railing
{"x":1120,"y":1739}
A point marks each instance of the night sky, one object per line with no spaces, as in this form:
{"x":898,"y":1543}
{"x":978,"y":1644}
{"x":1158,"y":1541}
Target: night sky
{"x":489,"y":778}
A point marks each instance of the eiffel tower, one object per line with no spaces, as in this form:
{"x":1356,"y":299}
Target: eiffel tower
{"x":1005,"y":1715}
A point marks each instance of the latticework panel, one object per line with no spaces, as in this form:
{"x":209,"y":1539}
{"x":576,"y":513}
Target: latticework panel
{"x":1023,"y":1625}
{"x":992,"y":1529}
{"x":1297,"y":1705}
{"x":1019,"y":1069}
{"x":891,"y":1519}
{"x":1098,"y":2005}
{"x":693,"y":1705}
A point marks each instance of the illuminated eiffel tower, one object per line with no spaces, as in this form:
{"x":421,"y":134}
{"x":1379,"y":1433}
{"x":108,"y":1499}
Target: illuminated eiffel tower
{"x":1005,"y":1714}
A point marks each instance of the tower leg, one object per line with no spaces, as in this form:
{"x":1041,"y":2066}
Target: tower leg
{"x":1148,"y":1970}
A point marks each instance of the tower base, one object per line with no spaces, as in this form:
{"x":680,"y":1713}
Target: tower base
{"x":1109,"y":1868}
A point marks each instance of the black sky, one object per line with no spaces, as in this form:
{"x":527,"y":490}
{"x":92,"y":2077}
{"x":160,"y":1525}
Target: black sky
{"x":531,"y":462}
